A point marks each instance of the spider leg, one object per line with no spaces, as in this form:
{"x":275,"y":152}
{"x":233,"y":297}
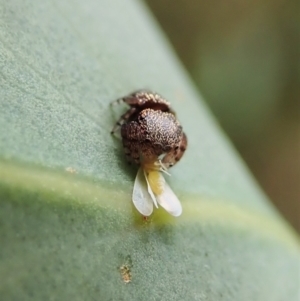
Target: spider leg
{"x":128,"y":158}
{"x":130,"y":100}
{"x":122,"y":119}
{"x":138,"y":98}
{"x":117,"y":102}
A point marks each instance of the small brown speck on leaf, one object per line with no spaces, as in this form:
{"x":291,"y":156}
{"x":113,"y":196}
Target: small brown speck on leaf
{"x":125,"y":273}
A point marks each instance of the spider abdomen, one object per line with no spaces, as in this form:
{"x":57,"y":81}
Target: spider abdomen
{"x":153,"y":133}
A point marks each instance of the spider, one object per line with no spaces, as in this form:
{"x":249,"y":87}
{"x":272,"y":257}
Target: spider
{"x":152,"y":138}
{"x":150,"y":130}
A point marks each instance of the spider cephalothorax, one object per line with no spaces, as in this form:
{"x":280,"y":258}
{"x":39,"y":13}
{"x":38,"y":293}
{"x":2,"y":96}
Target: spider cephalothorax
{"x":150,"y":130}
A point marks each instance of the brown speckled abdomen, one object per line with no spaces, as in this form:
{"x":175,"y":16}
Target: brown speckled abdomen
{"x":153,"y":134}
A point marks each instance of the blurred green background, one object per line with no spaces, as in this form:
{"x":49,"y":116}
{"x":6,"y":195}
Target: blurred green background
{"x":244,"y":56}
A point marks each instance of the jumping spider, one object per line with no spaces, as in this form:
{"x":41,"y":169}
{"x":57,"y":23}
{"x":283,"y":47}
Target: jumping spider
{"x":152,"y":138}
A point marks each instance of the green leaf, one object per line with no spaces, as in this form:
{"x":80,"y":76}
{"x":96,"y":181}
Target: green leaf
{"x":76,"y":236}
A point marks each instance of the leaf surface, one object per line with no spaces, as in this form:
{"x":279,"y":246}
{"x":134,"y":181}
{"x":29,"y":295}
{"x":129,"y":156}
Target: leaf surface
{"x":67,"y":235}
